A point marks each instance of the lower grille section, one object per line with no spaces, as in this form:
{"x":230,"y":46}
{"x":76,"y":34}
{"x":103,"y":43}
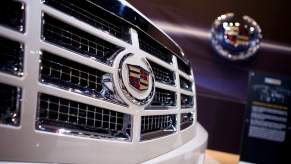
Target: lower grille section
{"x":60,"y":115}
{"x":73,"y":39}
{"x":11,"y":57}
{"x":157,"y":126}
{"x":12,"y":14}
{"x":186,"y":120}
{"x":10,"y":98}
{"x":164,"y":98}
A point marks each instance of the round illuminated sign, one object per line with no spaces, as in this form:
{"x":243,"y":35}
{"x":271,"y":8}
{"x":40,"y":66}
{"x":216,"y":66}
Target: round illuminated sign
{"x":235,"y":38}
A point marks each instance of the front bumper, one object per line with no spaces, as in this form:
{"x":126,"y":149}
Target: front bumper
{"x":192,"y":152}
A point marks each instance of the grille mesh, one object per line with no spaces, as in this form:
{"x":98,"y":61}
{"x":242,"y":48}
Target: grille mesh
{"x":185,"y":84}
{"x":71,"y":38}
{"x":162,"y":74}
{"x":70,"y":75}
{"x":151,"y":46}
{"x":186,"y":101}
{"x":157,"y":126}
{"x":186,"y":120}
{"x":56,"y":114}
{"x":9,"y":105}
{"x":183,"y":66}
{"x":12,"y":14}
{"x":88,"y":12}
{"x":11,"y":57}
{"x":164,"y":98}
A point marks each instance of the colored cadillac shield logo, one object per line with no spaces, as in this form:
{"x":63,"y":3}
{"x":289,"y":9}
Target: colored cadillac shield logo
{"x":235,"y":38}
{"x":135,"y":79}
{"x":138,"y":77}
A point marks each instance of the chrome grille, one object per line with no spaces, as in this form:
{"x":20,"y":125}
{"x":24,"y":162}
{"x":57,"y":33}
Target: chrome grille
{"x":186,"y":101}
{"x":11,"y":57}
{"x":12,"y":14}
{"x":151,"y":46}
{"x":162,"y":74}
{"x":71,"y":38}
{"x":183,"y":66}
{"x":10,"y":98}
{"x":186,"y":120}
{"x":92,"y":14}
{"x":164,"y":98}
{"x":157,"y":126}
{"x":67,"y":74}
{"x":61,"y":115}
{"x":185,"y":84}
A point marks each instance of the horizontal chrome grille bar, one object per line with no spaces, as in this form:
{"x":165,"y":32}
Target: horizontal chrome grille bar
{"x":164,"y":98}
{"x":71,"y":38}
{"x":61,"y":115}
{"x":186,"y":120}
{"x":186,"y":101}
{"x":157,"y":126}
{"x":12,"y":15}
{"x":10,"y":99}
{"x":87,"y":11}
{"x":11,"y":57}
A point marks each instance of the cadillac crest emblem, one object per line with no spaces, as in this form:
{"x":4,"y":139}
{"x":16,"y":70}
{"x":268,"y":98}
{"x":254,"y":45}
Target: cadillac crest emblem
{"x":138,"y":77}
{"x":235,"y":38}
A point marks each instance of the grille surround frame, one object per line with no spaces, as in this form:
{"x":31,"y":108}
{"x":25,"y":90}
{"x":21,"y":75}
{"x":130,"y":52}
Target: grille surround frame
{"x":31,"y":79}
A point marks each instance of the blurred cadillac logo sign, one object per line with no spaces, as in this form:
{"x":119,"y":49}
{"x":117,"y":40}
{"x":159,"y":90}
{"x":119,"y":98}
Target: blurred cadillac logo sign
{"x":138,"y":77}
{"x":235,"y":38}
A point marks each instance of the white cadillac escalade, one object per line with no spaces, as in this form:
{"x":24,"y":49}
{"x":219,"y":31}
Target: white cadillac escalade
{"x":93,"y":81}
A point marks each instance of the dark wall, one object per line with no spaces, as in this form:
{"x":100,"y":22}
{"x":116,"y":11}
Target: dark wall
{"x":222,"y":86}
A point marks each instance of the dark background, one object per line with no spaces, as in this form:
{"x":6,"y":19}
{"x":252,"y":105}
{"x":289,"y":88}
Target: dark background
{"x":222,"y":86}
